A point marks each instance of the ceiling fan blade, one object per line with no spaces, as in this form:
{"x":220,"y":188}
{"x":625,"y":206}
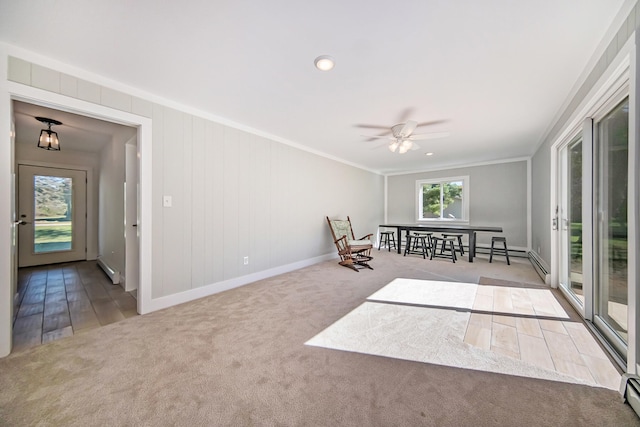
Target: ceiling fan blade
{"x":408,"y":128}
{"x":432,"y":122}
{"x":366,"y":126}
{"x":372,"y":137}
{"x":432,"y":135}
{"x":415,"y":146}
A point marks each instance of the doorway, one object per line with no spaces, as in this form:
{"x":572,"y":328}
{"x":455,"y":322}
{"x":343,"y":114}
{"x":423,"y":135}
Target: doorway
{"x":70,"y":209}
{"x":8,"y":251}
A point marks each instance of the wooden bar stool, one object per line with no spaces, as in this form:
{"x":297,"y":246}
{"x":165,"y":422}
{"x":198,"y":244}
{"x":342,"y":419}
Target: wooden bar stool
{"x":428,"y":240}
{"x":460,"y":248}
{"x":447,"y":248}
{"x":416,"y":244}
{"x":499,"y":251}
{"x":388,"y":238}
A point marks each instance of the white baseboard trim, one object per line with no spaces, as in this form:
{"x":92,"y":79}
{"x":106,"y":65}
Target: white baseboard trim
{"x":214,"y":288}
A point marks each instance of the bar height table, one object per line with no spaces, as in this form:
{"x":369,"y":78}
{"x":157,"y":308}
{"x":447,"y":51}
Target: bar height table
{"x":470,"y":230}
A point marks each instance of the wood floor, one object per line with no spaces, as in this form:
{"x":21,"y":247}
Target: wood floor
{"x":57,"y":301}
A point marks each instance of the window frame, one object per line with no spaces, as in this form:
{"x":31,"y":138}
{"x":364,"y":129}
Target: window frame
{"x":465,"y":199}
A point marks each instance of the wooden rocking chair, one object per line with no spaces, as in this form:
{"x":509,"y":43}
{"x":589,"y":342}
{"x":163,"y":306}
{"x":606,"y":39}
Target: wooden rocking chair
{"x":354,"y":253}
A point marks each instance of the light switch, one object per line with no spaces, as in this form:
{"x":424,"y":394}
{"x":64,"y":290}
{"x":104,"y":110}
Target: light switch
{"x":166,"y":201}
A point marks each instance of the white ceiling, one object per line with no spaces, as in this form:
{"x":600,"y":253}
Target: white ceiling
{"x":497,"y":71}
{"x":76,"y":133}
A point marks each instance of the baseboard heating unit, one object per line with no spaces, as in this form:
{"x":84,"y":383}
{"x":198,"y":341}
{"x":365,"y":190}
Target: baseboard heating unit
{"x":111,"y":272}
{"x":540,"y":266}
{"x":630,"y":391}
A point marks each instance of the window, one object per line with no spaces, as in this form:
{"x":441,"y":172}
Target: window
{"x":444,"y":199}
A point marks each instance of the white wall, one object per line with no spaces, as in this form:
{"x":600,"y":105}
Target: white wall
{"x":111,"y":201}
{"x":542,"y":212}
{"x":498,"y":196}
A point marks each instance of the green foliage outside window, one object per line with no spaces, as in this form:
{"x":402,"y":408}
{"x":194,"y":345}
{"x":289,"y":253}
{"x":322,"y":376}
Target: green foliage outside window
{"x":433,"y":194}
{"x":52,"y":197}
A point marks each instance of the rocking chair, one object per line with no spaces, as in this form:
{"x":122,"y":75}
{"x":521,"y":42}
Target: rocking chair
{"x":353,"y":253}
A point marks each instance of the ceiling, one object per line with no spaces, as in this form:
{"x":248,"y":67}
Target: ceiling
{"x":76,"y":133}
{"x":495,"y":72}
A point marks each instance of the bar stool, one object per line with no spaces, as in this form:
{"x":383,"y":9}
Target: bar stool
{"x":499,"y":251}
{"x":428,"y":240}
{"x":459,"y":237}
{"x":416,"y":244}
{"x":388,"y":238}
{"x":447,"y":248}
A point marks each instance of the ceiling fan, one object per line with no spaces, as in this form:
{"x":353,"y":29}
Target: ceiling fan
{"x":402,"y":137}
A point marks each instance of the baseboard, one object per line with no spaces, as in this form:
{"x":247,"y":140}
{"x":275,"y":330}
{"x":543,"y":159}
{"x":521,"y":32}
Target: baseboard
{"x":214,"y":288}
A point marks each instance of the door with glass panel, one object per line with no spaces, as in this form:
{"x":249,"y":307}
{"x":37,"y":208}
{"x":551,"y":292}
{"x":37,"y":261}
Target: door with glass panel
{"x":570,"y":221}
{"x":611,"y":232}
{"x":51,"y":215}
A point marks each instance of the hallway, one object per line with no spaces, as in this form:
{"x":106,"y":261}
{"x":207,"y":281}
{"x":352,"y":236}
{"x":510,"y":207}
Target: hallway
{"x":59,"y":300}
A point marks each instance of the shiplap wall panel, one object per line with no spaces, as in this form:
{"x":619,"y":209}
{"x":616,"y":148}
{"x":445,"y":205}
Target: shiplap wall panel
{"x":176,"y":236}
{"x":230,"y":220}
{"x":157,"y":228}
{"x":261,"y":233}
{"x":245,"y":177}
{"x":217,"y":162}
{"x":187,"y":194}
{"x":198,"y":220}
{"x":234,"y":194}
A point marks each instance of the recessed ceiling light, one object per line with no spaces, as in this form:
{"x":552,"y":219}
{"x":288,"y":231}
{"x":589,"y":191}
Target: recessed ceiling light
{"x":428,"y":154}
{"x":324,"y":62}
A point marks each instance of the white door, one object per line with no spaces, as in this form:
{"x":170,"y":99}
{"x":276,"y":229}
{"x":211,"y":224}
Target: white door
{"x":132,"y":270}
{"x":52,"y":215}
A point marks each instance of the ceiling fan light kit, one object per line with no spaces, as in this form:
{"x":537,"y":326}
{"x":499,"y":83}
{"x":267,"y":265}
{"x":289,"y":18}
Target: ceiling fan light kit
{"x":401,"y":139}
{"x":48,"y":139}
{"x":405,"y":146}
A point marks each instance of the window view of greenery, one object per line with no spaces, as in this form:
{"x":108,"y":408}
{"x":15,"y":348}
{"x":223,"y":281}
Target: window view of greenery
{"x":575,"y":218}
{"x":613,"y":191}
{"x":442,"y":200}
{"x":53,"y":224}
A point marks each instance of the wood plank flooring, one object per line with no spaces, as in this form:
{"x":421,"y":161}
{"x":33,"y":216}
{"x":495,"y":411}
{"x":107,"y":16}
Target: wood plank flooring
{"x":57,"y":301}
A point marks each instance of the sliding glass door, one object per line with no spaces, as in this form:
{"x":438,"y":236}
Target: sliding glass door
{"x":591,"y":220}
{"x":611,"y":231}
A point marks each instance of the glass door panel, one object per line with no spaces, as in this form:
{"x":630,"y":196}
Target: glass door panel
{"x":611,"y":306}
{"x":570,"y":216}
{"x":53,"y":222}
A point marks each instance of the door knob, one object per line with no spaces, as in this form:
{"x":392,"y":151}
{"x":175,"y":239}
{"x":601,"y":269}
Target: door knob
{"x":21,"y":222}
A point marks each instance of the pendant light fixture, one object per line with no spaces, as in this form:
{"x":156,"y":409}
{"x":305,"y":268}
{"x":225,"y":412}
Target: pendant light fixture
{"x":48,"y":139}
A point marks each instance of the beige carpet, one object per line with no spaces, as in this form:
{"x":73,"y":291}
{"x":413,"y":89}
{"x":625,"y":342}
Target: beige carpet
{"x":238,"y":358}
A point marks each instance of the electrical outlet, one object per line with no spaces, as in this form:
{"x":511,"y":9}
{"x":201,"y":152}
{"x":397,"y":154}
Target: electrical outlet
{"x":246,"y":260}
